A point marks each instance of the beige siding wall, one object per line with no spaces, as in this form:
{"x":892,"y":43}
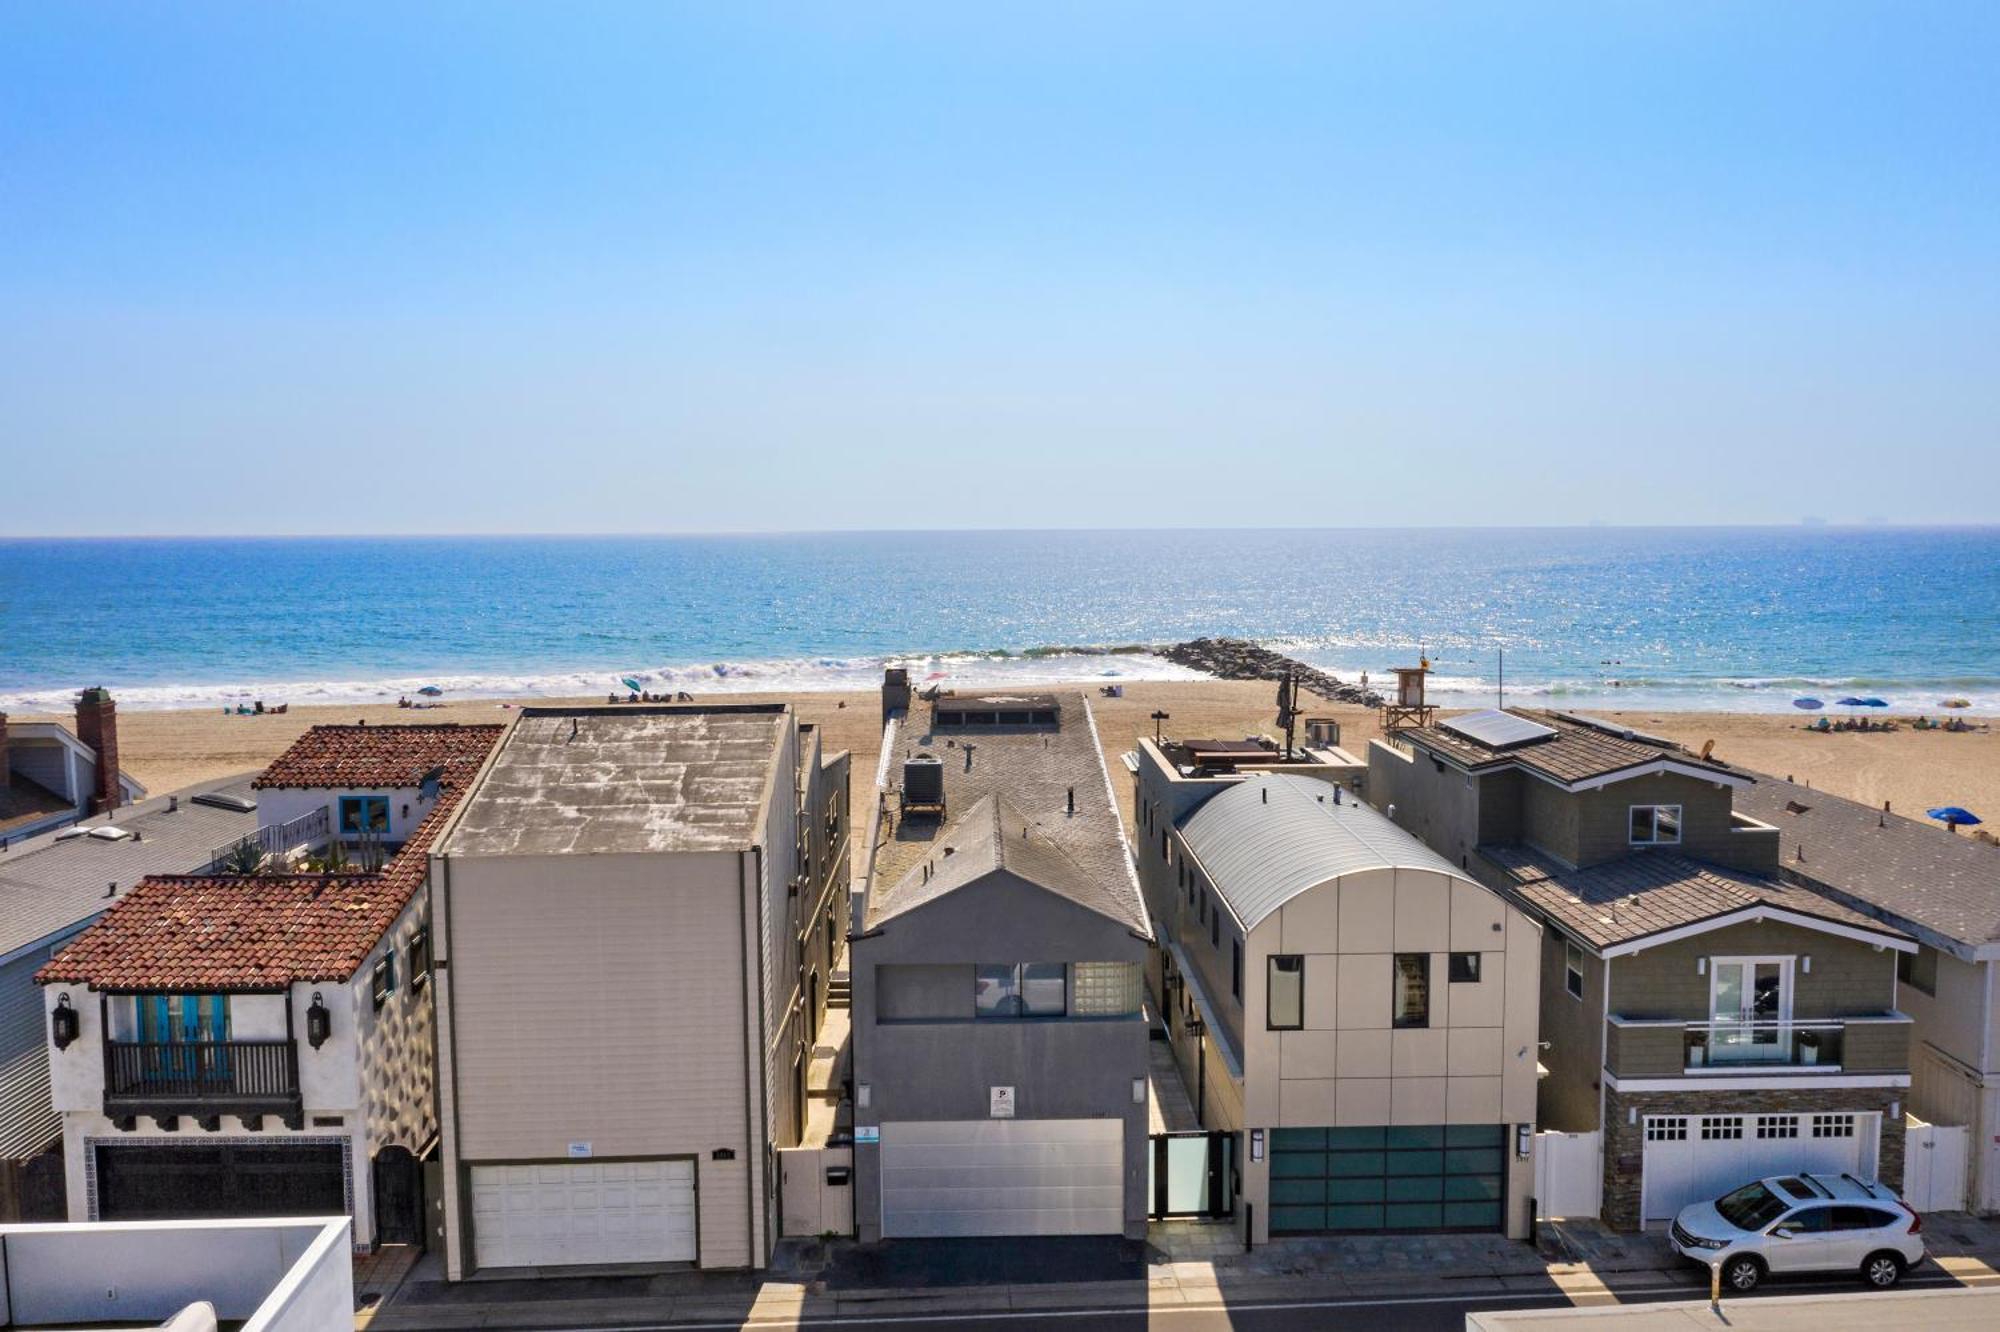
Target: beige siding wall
{"x":1574,"y":1029}
{"x":601,"y":999}
{"x":1953,"y":1019}
{"x":1847,"y":978}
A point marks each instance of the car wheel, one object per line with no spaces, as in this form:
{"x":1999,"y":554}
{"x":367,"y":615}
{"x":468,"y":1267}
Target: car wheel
{"x":1882,"y":1270}
{"x":1742,"y":1273}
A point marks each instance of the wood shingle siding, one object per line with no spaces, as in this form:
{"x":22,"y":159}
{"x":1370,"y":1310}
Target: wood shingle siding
{"x":1847,"y":977}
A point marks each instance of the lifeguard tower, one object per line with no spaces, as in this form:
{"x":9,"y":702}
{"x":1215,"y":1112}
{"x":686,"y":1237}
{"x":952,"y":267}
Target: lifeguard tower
{"x":1407,"y":708}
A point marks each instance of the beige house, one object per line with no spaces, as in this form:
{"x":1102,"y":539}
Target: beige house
{"x":1360,"y":1012}
{"x":638,"y":910}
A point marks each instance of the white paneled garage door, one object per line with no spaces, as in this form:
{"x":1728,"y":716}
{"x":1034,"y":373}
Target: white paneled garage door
{"x":1004,"y":1177}
{"x":1693,"y":1158}
{"x":563,"y":1212}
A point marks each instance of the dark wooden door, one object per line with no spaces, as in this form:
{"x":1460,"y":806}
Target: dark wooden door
{"x":399,"y":1197}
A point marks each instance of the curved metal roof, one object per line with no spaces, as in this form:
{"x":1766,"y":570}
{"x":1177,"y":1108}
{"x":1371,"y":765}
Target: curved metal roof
{"x":1272,"y":836}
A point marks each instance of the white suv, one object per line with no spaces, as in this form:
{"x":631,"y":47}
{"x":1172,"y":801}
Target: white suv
{"x":1803,"y":1223}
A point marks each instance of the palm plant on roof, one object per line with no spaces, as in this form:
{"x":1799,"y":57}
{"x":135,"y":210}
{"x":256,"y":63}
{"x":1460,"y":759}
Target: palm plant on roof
{"x":246,"y":857}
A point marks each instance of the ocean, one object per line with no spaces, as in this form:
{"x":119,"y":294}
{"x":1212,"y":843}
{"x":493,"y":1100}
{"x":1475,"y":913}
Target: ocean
{"x":1734,"y":619}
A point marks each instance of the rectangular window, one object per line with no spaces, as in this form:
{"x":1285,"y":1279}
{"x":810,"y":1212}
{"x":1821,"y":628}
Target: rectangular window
{"x":361,"y":815}
{"x":1019,"y":990}
{"x":1666,"y":1128}
{"x":1656,"y":825}
{"x":1202,"y":907}
{"x":383,"y":983}
{"x":1833,"y":1126}
{"x":1236,"y":968}
{"x":420,"y":956}
{"x":1464,"y":968}
{"x":1285,"y":993}
{"x":1413,"y":990}
{"x":1918,"y":970}
{"x":1104,"y":989}
{"x":1572,"y":969}
{"x":1721,"y":1128}
{"x":1777,"y":1126}
{"x":1215,"y":929}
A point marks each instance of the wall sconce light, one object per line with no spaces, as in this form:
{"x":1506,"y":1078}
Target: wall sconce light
{"x":1701,"y":966}
{"x":319,"y":1022}
{"x":1138,"y":1091}
{"x":65,"y":1024}
{"x":1256,"y":1144}
{"x":1805,"y":963}
{"x":1895,"y":1110}
{"x":1524,"y":1140}
{"x":863,"y":1095}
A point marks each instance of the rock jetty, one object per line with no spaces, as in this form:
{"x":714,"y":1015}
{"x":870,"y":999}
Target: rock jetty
{"x":1239,"y":659}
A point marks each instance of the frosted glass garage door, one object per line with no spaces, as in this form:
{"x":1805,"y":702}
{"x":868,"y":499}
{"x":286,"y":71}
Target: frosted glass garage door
{"x":1004,"y":1177}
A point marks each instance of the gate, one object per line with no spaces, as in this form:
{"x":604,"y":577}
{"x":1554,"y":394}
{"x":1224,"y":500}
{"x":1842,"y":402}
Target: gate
{"x":1190,"y":1175}
{"x":399,"y":1197}
{"x":1934,"y":1165}
{"x":1569,"y":1175}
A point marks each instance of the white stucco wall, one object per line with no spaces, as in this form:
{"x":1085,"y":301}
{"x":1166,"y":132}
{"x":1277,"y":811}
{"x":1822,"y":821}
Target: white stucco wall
{"x":282,"y":804}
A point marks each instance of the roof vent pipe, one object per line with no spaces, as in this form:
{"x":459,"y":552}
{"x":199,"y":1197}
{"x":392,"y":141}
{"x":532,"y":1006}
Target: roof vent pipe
{"x":1072,"y":800}
{"x":1266,"y":792}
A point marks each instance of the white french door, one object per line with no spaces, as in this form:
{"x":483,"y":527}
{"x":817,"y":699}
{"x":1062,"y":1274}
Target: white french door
{"x":1750,"y":1009}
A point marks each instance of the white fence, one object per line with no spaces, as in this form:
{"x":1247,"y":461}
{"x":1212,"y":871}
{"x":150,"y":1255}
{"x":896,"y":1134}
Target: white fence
{"x":1569,"y":1175}
{"x":1934,"y":1165}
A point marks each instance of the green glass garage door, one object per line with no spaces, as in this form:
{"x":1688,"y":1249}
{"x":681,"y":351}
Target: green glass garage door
{"x":1445,"y":1177}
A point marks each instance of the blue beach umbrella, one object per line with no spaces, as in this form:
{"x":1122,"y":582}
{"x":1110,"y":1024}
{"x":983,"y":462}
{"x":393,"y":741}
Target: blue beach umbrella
{"x":1809,"y":704}
{"x":629,"y":683}
{"x":1874,"y":702}
{"x":1850,"y":702}
{"x":1954,"y":814}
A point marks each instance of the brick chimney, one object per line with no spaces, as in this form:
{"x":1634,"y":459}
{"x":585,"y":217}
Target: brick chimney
{"x":97,"y":726}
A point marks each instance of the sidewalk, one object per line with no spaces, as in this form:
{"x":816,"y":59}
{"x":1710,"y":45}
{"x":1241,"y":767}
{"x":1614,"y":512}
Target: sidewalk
{"x":1180,"y":1263}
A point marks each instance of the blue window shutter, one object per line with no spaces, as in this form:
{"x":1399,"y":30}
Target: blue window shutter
{"x":161,"y":1030}
{"x":190,"y":1017}
{"x":218,"y":1017}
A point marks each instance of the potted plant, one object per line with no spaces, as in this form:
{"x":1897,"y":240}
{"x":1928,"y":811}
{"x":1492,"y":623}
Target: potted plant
{"x":1808,"y":1047}
{"x":1697,"y":1049}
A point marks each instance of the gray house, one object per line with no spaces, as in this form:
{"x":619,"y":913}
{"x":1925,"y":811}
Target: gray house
{"x":1000,"y":1051}
{"x":51,"y":886}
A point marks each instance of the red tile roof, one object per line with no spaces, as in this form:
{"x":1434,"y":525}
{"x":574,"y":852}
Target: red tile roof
{"x":202,"y":933}
{"x":365,"y":757}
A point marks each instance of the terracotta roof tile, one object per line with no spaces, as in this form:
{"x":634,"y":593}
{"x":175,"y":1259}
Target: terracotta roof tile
{"x":202,"y":933}
{"x":362,"y":757}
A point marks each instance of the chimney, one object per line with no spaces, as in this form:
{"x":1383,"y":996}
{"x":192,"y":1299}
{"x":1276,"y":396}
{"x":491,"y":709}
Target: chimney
{"x":97,"y":727}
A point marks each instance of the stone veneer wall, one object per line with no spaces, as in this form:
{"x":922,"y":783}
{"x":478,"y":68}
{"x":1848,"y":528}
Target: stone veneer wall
{"x":1625,"y":1141}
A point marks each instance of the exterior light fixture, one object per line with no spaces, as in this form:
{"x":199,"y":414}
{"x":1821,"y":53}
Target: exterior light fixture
{"x":1138,"y":1091}
{"x":319,"y":1022}
{"x":65,"y":1024}
{"x":1256,"y":1144}
{"x":1524,"y":1140}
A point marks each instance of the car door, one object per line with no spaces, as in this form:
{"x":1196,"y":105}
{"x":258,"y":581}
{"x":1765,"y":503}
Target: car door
{"x":1800,"y":1242}
{"x":1857,"y":1232}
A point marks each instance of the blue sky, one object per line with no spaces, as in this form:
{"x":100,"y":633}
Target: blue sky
{"x":652,"y":267}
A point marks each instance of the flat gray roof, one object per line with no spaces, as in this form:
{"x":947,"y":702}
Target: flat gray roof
{"x":1273,"y":835}
{"x":626,"y":779}
{"x":47,"y":886}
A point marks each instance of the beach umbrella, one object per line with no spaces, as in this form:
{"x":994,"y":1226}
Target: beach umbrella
{"x":629,"y":682}
{"x":1850,"y":702}
{"x":430,"y":691}
{"x":1956,"y":703}
{"x":1874,"y":703}
{"x":1809,"y":704}
{"x":1954,"y":814}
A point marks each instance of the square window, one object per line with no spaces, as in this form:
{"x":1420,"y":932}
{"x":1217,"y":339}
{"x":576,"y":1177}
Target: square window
{"x":1413,"y":990}
{"x":1284,"y":993}
{"x":1655,"y":825}
{"x":364,"y":815}
{"x":1104,"y":989}
{"x":1465,"y":968}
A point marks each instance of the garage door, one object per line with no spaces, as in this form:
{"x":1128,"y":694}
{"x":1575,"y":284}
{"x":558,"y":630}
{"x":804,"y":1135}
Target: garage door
{"x":1692,"y":1158}
{"x":1004,"y":1177}
{"x":217,"y":1179}
{"x":1409,"y":1177}
{"x":554,"y":1213}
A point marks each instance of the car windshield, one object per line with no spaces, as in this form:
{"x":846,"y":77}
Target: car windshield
{"x":1752,"y":1207}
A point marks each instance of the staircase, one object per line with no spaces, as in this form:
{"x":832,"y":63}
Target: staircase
{"x":839,"y":990}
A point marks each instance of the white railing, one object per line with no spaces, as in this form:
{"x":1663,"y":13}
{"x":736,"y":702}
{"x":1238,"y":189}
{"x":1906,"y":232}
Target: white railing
{"x":280,"y":840}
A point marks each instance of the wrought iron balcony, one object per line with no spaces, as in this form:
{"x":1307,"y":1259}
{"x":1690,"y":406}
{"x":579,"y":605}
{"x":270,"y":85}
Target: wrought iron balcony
{"x":201,"y":1078}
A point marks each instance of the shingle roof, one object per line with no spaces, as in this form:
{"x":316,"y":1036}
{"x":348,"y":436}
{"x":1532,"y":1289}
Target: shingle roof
{"x":1272,"y":836}
{"x":994,"y":836}
{"x":1909,"y":870}
{"x":375,"y":757}
{"x":48,"y":886}
{"x":1650,"y":891}
{"x":1577,"y":752}
{"x":199,"y":933}
{"x":1034,"y":768}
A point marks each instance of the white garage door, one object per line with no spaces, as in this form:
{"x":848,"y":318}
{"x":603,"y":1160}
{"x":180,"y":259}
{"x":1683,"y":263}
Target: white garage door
{"x":583,"y":1212}
{"x":1004,"y":1177}
{"x":1693,"y":1158}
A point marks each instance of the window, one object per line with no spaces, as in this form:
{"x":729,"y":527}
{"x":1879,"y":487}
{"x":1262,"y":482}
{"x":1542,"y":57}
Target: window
{"x":1413,"y":990}
{"x":1721,"y":1128}
{"x":1018,"y":990}
{"x":1103,"y":989}
{"x":383,"y":983}
{"x":363,"y":814}
{"x":420,"y":956}
{"x":181,"y":1018}
{"x":1465,"y":968}
{"x":1656,"y":825}
{"x":1572,"y":969}
{"x":1667,"y":1128}
{"x":1285,"y":993}
{"x":1236,"y":969}
{"x":1861,"y":1218}
{"x":1833,"y":1126}
{"x":1202,"y":906}
{"x":1777,"y":1126}
{"x":1215,"y":929}
{"x":1810,"y":1220}
{"x":1918,"y":970}
{"x":1163,"y":847}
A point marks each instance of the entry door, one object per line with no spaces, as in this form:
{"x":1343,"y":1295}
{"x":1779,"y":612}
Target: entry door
{"x":1750,"y":1009}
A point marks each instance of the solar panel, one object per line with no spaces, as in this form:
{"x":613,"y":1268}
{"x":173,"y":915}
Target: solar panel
{"x":1496,"y":729}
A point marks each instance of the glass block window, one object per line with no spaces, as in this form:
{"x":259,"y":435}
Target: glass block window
{"x":1104,"y":989}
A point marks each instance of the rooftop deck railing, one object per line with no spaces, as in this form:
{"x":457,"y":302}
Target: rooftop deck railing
{"x":280,"y":840}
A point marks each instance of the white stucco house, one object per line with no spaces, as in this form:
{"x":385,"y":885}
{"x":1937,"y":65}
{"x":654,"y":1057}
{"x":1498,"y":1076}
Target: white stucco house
{"x":363,"y":784}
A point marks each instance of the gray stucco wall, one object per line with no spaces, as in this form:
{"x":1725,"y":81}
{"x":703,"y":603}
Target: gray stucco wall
{"x":1574,"y":1031}
{"x":931,"y":1069}
{"x":1434,"y":802}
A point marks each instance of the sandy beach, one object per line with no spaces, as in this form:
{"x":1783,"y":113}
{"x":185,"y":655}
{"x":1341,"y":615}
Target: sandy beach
{"x":1913,"y":770}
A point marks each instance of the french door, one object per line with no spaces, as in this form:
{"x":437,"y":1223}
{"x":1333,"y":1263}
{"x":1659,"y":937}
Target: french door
{"x":1750,"y":1008}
